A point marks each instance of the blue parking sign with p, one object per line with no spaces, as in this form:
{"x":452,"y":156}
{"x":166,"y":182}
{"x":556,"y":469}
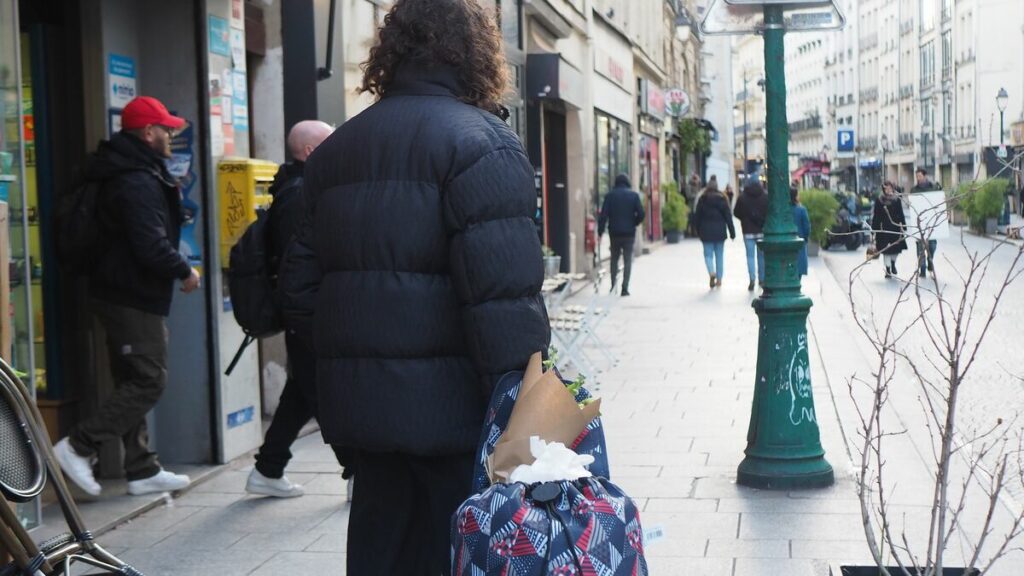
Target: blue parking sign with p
{"x":845,"y":143}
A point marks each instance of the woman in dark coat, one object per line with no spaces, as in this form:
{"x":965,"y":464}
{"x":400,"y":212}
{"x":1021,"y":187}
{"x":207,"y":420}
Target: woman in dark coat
{"x":889,"y":226}
{"x":418,"y":271}
{"x":713,"y":219}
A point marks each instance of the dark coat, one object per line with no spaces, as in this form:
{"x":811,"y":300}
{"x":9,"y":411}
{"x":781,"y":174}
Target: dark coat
{"x":140,"y":214}
{"x":713,"y":217}
{"x":889,"y":225}
{"x":752,"y":208}
{"x":285,"y":213}
{"x":621,"y":213}
{"x":418,"y":267}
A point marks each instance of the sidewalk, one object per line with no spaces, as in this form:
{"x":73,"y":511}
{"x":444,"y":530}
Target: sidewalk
{"x":676,"y":410}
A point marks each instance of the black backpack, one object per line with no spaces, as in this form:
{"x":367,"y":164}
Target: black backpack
{"x":80,"y":238}
{"x":253,"y":294}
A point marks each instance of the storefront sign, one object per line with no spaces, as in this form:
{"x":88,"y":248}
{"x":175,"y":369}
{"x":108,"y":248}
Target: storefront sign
{"x":550,"y":77}
{"x":652,"y":99}
{"x":219,"y":38}
{"x":678,"y":102}
{"x":121,"y":80}
{"x":609,"y":67}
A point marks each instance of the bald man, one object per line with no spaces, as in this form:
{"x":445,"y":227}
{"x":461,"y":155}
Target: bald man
{"x":298,"y":399}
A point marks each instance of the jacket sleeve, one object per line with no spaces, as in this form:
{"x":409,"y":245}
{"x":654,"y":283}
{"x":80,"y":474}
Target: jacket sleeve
{"x":727,"y":215}
{"x":638,"y":210}
{"x":299,"y":275}
{"x":145,"y":219}
{"x":495,"y":262}
{"x":740,"y":210}
{"x":602,"y":220}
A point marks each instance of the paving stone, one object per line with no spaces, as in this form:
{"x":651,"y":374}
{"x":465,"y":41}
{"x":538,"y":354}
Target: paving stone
{"x":200,"y":540}
{"x":831,"y":549}
{"x":292,"y":541}
{"x":776,"y":567}
{"x":693,"y":525}
{"x":673,"y":565}
{"x":755,"y":525}
{"x":303,"y":563}
{"x":679,"y":505}
{"x":178,"y":561}
{"x":733,"y":548}
{"x":328,"y":543}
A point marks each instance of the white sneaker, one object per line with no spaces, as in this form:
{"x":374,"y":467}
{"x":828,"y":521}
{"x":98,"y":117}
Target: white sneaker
{"x":163,"y":481}
{"x":276,"y":487}
{"x":77,"y":467}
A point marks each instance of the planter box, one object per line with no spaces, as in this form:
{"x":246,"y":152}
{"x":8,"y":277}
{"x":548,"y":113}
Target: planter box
{"x":552,"y":265}
{"x":813,"y":249}
{"x":672,"y":236}
{"x":837,"y":570}
{"x":991,"y":225}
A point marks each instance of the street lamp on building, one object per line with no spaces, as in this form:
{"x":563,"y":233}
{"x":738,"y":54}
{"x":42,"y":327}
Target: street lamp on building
{"x":1001,"y":100}
{"x":885,"y":148}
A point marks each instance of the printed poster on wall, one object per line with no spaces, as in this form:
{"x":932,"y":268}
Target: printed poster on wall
{"x":229,"y":140}
{"x":238,"y":48}
{"x":216,"y":94}
{"x":219,"y":42}
{"x":240,"y":101}
{"x":121,"y":80}
{"x":216,"y":136}
{"x":226,"y":82}
{"x":237,"y":14}
{"x":180,"y":166}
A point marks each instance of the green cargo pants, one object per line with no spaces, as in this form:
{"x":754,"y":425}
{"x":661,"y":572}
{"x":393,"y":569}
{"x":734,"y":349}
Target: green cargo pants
{"x":137,"y":345}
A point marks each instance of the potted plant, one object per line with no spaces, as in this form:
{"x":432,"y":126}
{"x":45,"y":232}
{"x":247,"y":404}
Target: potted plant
{"x":674,"y":213}
{"x":552,"y":262}
{"x":983,"y":204}
{"x":822,"y":207}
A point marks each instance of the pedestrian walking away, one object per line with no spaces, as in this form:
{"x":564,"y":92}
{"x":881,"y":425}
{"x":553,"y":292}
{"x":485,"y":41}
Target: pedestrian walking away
{"x":621,"y":213}
{"x":713,"y":221}
{"x":418,"y":271}
{"x":692,"y":190}
{"x":802,"y":220}
{"x":925,"y":248}
{"x":298,"y":403}
{"x":139,"y":217}
{"x":889,"y":225}
{"x":752,"y":212}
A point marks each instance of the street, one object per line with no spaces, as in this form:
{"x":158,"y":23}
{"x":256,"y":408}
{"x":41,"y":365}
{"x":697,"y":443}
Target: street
{"x":676,"y":409}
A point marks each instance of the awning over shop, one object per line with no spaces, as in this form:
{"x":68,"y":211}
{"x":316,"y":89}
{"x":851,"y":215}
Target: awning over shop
{"x":550,"y":77}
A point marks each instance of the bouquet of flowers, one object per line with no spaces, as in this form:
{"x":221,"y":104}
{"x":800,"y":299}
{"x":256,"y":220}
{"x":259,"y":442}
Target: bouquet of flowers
{"x":544,"y":504}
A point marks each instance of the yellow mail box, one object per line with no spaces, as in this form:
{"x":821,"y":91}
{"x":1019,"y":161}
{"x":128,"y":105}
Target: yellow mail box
{"x":243,"y":186}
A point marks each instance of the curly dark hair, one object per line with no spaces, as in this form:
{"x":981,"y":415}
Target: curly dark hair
{"x":459,"y":33}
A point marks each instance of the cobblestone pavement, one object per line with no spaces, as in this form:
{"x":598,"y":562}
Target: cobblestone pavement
{"x":994,"y":388}
{"x":676,"y":409}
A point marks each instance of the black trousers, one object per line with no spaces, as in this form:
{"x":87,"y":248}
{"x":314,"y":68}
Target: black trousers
{"x":298,"y":405}
{"x":137,"y":348}
{"x":622,"y":245}
{"x":401,"y":513}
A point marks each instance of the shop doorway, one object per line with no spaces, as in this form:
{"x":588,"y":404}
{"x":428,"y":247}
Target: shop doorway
{"x":556,"y":176}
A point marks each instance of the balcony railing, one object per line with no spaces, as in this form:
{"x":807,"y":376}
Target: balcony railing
{"x":947,"y":14}
{"x":906,"y":91}
{"x":868,"y":144}
{"x":906,"y":27}
{"x":906,"y":139}
{"x":947,"y":72}
{"x":965,"y":132}
{"x":869,"y":95}
{"x":811,"y":123}
{"x":927,"y":83}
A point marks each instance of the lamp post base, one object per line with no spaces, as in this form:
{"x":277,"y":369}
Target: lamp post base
{"x":774,"y":474}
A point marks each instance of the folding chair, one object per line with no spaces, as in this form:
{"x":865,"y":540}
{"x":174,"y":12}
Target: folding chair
{"x":26,"y":458}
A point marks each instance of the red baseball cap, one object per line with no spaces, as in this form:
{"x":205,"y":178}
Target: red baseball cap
{"x":145,"y":110}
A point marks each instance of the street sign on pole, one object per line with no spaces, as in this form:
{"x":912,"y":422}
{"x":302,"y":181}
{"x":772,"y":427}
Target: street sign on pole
{"x":732,"y":17}
{"x":845,"y":143}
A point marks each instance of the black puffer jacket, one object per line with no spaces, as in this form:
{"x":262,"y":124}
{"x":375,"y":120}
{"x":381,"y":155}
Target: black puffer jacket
{"x":752,"y":208}
{"x":141,"y":216}
{"x":418,"y":268}
{"x":712,"y":217}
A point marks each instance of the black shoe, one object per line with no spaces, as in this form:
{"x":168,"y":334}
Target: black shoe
{"x":750,"y":287}
{"x":625,"y":292}
{"x":931,"y":267}
{"x":893,"y":268}
{"x":712,"y":282}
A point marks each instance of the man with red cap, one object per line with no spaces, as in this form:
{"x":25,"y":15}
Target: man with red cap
{"x":139,"y":217}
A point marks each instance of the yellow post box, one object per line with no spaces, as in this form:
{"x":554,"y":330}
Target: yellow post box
{"x":243,"y":186}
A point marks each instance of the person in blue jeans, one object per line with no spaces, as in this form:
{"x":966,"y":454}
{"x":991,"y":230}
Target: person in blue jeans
{"x":925,"y":248}
{"x":713,"y":220}
{"x":752,"y":212}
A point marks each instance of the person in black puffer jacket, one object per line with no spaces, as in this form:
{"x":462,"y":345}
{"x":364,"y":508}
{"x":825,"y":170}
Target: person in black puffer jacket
{"x":752,"y":212}
{"x":418,"y":272}
{"x":713,"y":218}
{"x":621,"y":213}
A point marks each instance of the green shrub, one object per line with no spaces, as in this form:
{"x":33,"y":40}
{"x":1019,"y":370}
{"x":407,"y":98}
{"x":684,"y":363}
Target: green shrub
{"x":983,"y":201}
{"x":822,"y":207}
{"x":674,"y":214}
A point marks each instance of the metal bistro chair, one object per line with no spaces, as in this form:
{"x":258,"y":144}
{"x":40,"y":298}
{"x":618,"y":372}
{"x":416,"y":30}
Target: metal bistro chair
{"x":26,"y":458}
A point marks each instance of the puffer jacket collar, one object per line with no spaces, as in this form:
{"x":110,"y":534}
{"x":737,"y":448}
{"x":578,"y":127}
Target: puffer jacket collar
{"x":413,"y":79}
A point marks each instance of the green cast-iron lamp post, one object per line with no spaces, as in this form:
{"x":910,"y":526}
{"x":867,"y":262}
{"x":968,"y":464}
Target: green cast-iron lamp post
{"x":783,"y":442}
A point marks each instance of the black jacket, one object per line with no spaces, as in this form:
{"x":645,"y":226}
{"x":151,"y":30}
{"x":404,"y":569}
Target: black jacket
{"x":418,"y":268}
{"x":140,"y":213}
{"x":889,"y":225}
{"x":926,"y":186}
{"x":713,"y":217}
{"x":285,"y":212}
{"x":752,"y":208}
{"x":622,"y":211}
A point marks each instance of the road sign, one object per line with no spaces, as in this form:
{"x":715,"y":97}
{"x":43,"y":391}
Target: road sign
{"x":737,"y":17}
{"x":845,"y":143}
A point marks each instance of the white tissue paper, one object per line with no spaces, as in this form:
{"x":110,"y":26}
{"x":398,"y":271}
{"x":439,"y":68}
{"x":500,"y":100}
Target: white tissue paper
{"x":554,"y":463}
